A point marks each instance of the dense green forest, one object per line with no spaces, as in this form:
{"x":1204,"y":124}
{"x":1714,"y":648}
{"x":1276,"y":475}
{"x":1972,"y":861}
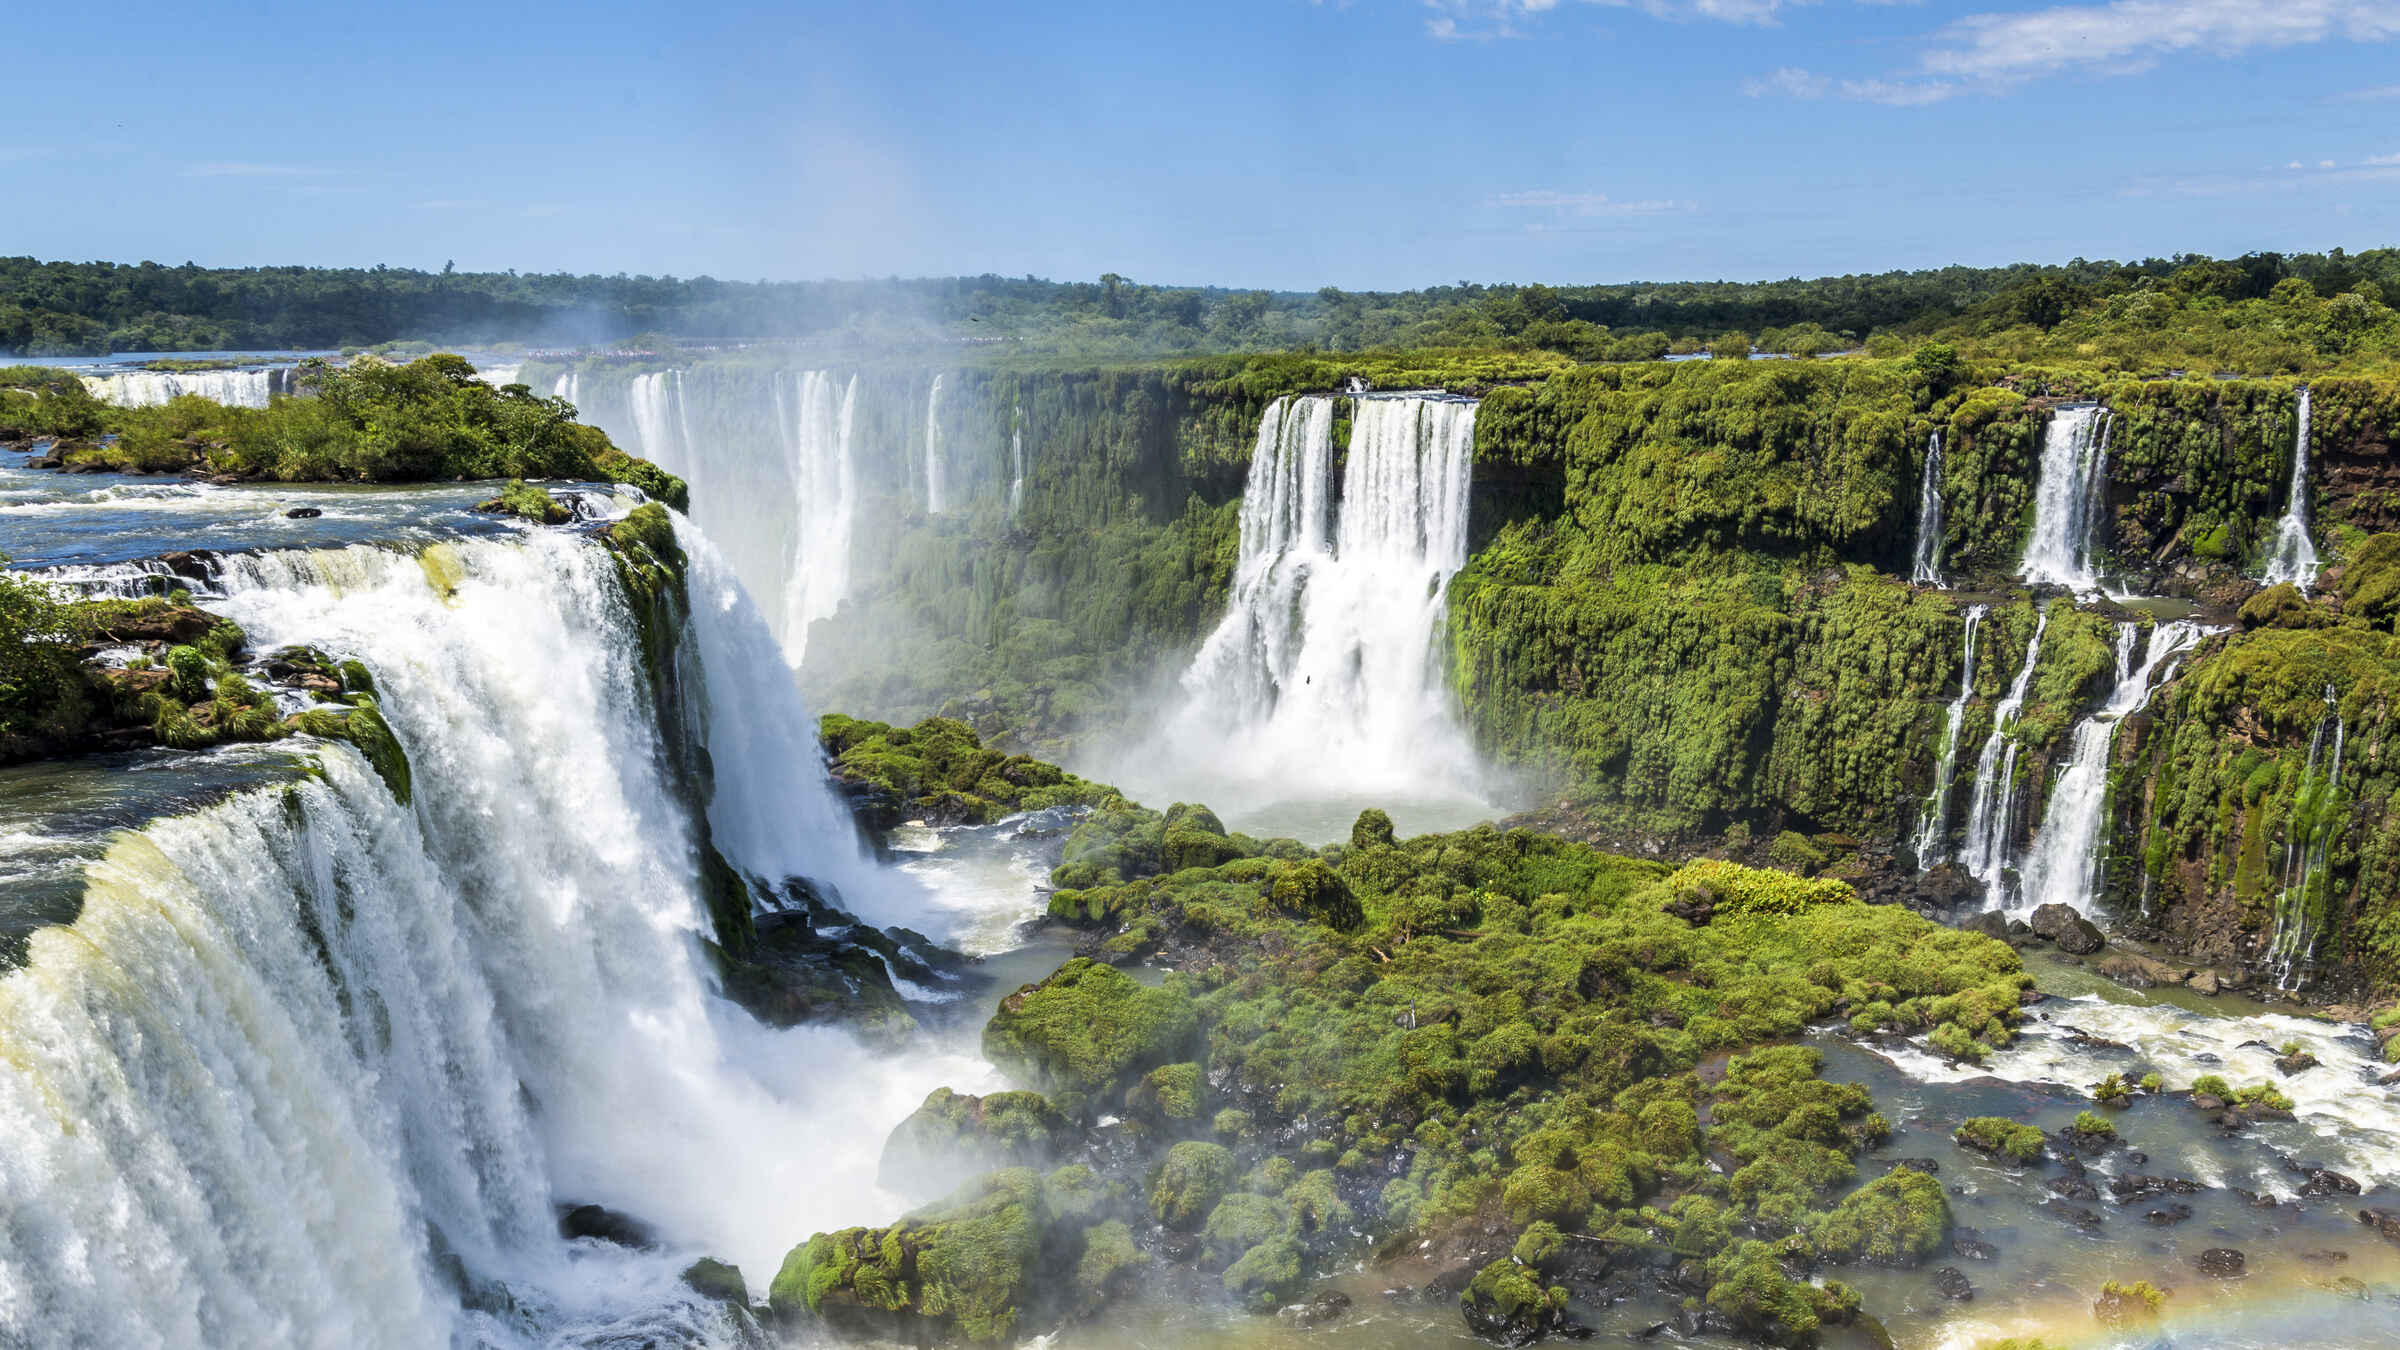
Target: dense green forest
{"x":2264,"y":307}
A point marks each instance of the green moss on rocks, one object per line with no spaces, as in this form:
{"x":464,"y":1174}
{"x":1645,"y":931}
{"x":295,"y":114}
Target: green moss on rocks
{"x":1188,"y":1185}
{"x":941,"y":770}
{"x":527,"y":502}
{"x":960,"y":1269}
{"x":953,"y":1137}
{"x":1897,"y":1219}
{"x":2002,"y":1138}
{"x":1088,"y":1031}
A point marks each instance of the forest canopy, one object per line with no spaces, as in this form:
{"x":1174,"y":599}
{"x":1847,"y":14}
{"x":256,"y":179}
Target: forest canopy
{"x":2260,"y":313}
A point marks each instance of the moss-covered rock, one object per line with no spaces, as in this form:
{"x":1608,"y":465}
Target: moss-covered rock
{"x":1897,"y":1219}
{"x":1190,"y":1182}
{"x":1508,"y":1304}
{"x":1088,"y":1031}
{"x":960,"y":1269}
{"x":953,"y":1137}
{"x":2001,"y":1137}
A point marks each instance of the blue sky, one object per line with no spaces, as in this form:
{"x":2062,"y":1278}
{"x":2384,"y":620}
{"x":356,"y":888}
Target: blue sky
{"x":1283,"y":143}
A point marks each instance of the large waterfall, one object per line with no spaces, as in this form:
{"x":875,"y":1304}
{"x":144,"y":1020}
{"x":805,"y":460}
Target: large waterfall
{"x":2068,"y":499}
{"x":2066,"y":856}
{"x":1925,"y":568}
{"x":1933,"y":818}
{"x":2295,"y":556}
{"x":314,"y":1067}
{"x":1324,"y":678}
{"x":1991,"y":811}
{"x":149,"y":388}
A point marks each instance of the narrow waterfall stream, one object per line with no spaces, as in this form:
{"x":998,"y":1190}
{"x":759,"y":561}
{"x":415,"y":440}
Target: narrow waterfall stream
{"x":2067,"y":517}
{"x":1925,"y":567}
{"x":1991,"y":811}
{"x":937,"y":464}
{"x":2319,"y":811}
{"x":1933,"y":817}
{"x":2065,"y":856}
{"x":2294,"y":555}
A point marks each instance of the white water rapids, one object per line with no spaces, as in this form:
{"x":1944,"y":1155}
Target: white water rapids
{"x":2294,"y":557}
{"x":313,"y":1068}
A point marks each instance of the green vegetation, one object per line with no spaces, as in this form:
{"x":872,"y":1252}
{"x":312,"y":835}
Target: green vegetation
{"x":527,"y":502}
{"x":2001,"y":1137}
{"x":2092,"y":1126}
{"x":1487,"y":1028}
{"x":369,"y":421}
{"x":940,"y":770}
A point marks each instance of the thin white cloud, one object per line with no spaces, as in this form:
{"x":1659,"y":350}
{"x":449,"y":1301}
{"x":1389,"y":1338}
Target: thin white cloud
{"x":1794,"y":82}
{"x":236,"y":169}
{"x":1584,"y":205}
{"x":2294,"y":174}
{"x":1789,"y":82}
{"x":1456,"y":20}
{"x":2132,"y":35}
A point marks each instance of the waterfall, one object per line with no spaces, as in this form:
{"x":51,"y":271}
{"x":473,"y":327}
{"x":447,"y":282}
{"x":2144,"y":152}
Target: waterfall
{"x":2066,"y":857}
{"x":569,"y":387}
{"x":500,"y":374}
{"x":149,"y":388}
{"x":656,"y":404}
{"x":1016,"y":460}
{"x":2067,"y":508}
{"x":2316,"y":808}
{"x":1926,"y":568}
{"x":1324,"y":674}
{"x":937,"y":471}
{"x":1934,"y":816}
{"x":2295,"y":557}
{"x":314,"y":1067}
{"x":1991,"y":810}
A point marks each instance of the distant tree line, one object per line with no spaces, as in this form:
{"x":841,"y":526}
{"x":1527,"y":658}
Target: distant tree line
{"x":62,"y":308}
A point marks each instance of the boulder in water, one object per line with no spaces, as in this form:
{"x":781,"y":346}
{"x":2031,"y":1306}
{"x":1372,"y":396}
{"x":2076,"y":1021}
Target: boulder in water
{"x":2326,"y":1181}
{"x":721,"y":1281}
{"x":303,"y":513}
{"x":2168,"y":1215}
{"x":2383,"y":1221}
{"x":1991,"y":923}
{"x":953,"y":1137}
{"x":604,"y":1225}
{"x":1969,"y":1244}
{"x":2221,"y":1263}
{"x":2073,"y":933}
{"x":1505,"y":1303}
{"x":2204,"y":982}
{"x":1952,"y":1284}
{"x":2139,"y":972}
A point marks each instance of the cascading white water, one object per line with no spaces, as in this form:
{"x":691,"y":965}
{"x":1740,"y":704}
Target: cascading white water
{"x":149,"y":388}
{"x":2295,"y":556}
{"x":655,"y":402}
{"x":500,"y":374}
{"x":2067,"y":513}
{"x":2316,"y":811}
{"x":2065,"y":857}
{"x":1926,"y":568}
{"x":1991,"y":810}
{"x":937,"y":468}
{"x":1323,"y":676}
{"x":568,"y":386}
{"x":1934,"y":816}
{"x":1016,"y":461}
{"x":309,"y":1050}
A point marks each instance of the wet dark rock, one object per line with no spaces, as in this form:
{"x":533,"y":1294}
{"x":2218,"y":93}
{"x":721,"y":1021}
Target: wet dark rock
{"x":1951,"y":1283}
{"x":2391,"y":1079}
{"x":1442,"y":1288}
{"x":303,"y":513}
{"x":2077,"y":1036}
{"x":2206,"y":1102}
{"x":2073,"y":1188}
{"x":2074,"y":1214}
{"x":2297,"y":1062}
{"x":1319,"y":1308}
{"x":2018,"y":928}
{"x":2139,"y":972}
{"x":2173,"y":1213}
{"x":2221,"y":1263}
{"x":1926,"y":1165}
{"x":1968,"y":1244}
{"x":2324,"y":1256}
{"x":2137,"y":1187}
{"x":1991,"y":923}
{"x":2073,"y":933}
{"x":2204,"y":982}
{"x":2383,"y":1221}
{"x":718,"y":1280}
{"x":1181,"y":1246}
{"x":2326,"y":1181}
{"x":2136,"y":1158}
{"x":2256,"y":1199}
{"x":604,"y":1225}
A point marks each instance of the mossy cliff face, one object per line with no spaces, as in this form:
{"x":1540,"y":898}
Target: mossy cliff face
{"x":2257,"y":831}
{"x":1518,"y":1049}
